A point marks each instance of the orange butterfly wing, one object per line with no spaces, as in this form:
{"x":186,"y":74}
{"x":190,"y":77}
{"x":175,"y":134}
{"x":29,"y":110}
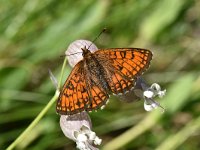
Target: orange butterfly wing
{"x":79,"y":94}
{"x":123,"y":66}
{"x":82,"y":91}
{"x":99,"y":96}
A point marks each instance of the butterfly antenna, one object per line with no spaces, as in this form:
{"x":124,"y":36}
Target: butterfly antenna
{"x":72,"y":54}
{"x":88,"y":46}
{"x":62,"y":56}
{"x":97,"y":37}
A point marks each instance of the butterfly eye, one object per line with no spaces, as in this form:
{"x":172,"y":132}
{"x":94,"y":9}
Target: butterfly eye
{"x":74,"y":51}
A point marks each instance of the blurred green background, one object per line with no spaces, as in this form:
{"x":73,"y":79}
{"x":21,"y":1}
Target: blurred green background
{"x":33,"y":36}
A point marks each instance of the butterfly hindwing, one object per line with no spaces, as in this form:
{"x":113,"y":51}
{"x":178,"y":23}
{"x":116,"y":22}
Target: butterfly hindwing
{"x":98,"y":96}
{"x":119,"y":84}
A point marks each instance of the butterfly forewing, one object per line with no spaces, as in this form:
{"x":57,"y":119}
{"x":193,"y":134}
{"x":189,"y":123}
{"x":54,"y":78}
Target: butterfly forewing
{"x":115,"y":72}
{"x":123,"y":66}
{"x":129,"y":61}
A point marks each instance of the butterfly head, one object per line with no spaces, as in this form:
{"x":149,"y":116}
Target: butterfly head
{"x":85,"y":51}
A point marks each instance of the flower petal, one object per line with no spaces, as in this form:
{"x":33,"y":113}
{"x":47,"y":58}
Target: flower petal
{"x":148,"y":94}
{"x":72,"y":123}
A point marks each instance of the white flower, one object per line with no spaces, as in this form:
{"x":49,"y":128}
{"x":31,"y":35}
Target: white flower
{"x":77,"y":127}
{"x":156,"y":89}
{"x":150,"y":93}
{"x":146,"y":92}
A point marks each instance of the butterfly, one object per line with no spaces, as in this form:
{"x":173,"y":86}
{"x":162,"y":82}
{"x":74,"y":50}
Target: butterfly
{"x":100,"y":74}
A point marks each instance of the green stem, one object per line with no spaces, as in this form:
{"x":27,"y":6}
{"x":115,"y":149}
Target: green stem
{"x":34,"y":122}
{"x":40,"y":115}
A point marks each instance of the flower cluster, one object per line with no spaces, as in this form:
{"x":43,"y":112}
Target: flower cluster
{"x":148,"y":95}
{"x":77,"y":127}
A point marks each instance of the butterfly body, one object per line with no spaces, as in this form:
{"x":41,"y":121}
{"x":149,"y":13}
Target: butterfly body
{"x":93,"y":70}
{"x":100,"y":74}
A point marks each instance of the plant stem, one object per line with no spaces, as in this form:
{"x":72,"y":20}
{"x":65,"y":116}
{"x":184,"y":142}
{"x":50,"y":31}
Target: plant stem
{"x":34,"y":122}
{"x":40,"y":115}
